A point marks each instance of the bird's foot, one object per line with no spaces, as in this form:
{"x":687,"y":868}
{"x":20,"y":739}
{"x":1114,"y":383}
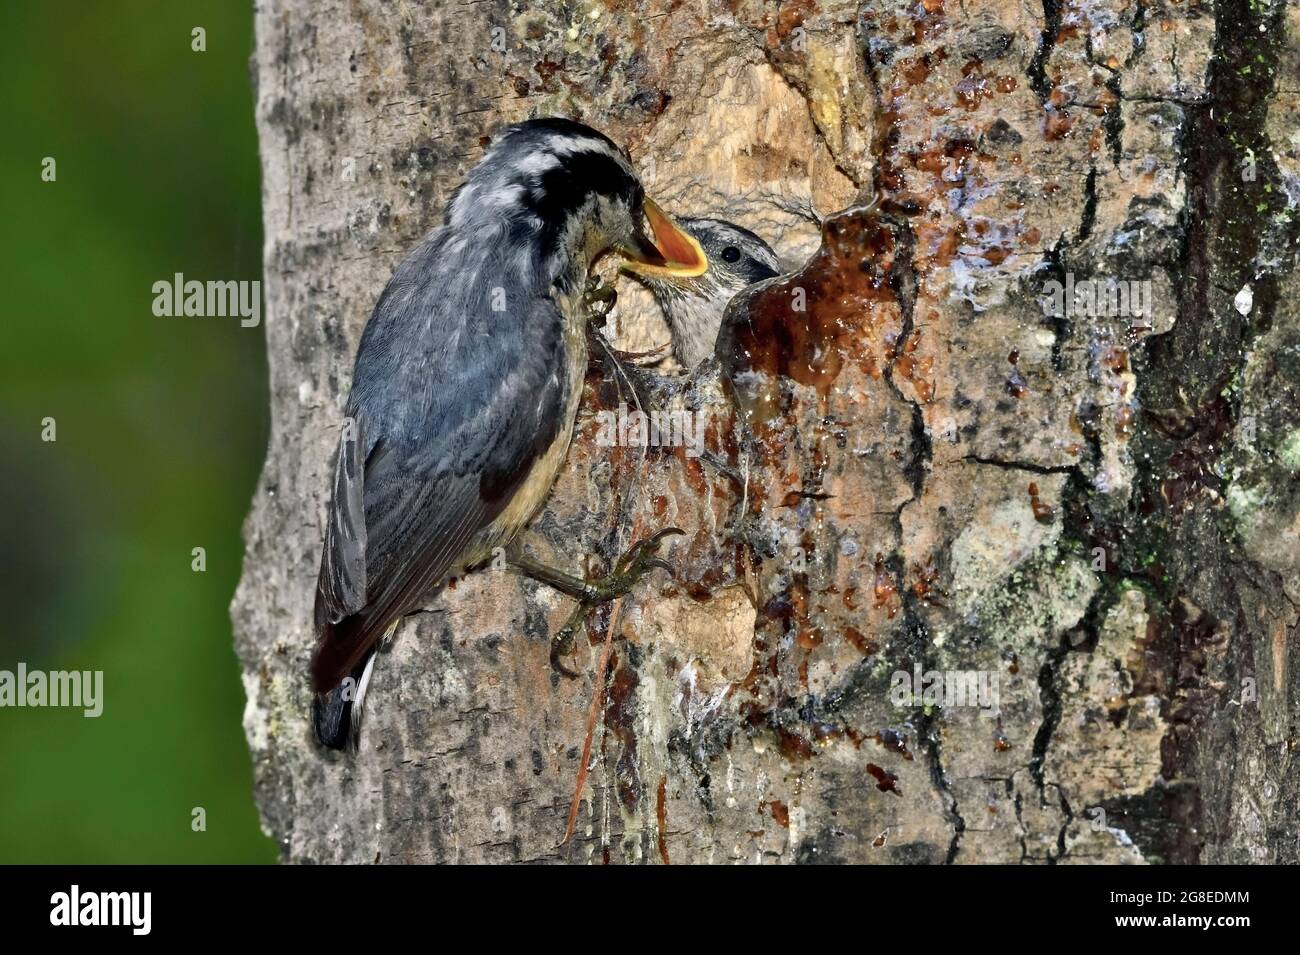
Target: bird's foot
{"x":636,"y":562}
{"x":598,"y":299}
{"x":639,"y":559}
{"x":562,"y":642}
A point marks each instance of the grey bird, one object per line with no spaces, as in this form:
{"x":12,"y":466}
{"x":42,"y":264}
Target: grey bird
{"x":693,"y":300}
{"x":465,"y":389}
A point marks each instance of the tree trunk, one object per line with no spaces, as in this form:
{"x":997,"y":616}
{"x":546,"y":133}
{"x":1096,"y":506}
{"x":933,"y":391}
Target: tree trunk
{"x":1087,"y":519}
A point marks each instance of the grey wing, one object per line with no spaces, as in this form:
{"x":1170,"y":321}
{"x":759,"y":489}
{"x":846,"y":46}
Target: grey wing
{"x":429,"y":485}
{"x":341,"y":589}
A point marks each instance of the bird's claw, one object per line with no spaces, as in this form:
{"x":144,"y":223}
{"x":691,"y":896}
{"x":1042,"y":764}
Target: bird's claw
{"x":639,"y":560}
{"x":598,"y":298}
{"x":562,"y":642}
{"x":636,"y":562}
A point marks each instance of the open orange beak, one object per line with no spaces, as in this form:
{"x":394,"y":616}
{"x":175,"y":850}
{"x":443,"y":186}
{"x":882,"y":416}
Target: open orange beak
{"x":673,"y":253}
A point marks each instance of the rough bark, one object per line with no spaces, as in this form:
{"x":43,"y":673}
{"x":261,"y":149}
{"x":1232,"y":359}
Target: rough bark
{"x":1100,"y":512}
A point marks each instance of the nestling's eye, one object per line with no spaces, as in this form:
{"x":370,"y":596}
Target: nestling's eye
{"x":731,"y":254}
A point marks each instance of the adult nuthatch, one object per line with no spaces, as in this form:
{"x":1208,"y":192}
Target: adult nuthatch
{"x":466,"y":385}
{"x":694,"y":298}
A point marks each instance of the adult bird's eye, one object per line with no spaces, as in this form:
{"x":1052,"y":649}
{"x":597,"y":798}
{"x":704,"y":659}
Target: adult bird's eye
{"x":731,"y":254}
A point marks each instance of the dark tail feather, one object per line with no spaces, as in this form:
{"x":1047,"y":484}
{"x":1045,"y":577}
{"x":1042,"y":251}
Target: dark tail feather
{"x":331,"y":711}
{"x":341,"y":647}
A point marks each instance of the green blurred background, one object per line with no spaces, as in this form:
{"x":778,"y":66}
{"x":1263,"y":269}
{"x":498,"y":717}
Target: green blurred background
{"x":161,"y":426}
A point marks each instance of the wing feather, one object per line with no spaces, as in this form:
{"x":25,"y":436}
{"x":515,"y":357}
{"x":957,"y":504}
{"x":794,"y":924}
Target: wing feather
{"x":342,"y":585}
{"x":431,"y":482}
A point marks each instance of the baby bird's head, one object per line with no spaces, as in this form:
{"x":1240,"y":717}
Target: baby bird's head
{"x":693,"y":299}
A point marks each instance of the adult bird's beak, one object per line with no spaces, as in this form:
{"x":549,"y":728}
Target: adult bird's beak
{"x":673,"y":253}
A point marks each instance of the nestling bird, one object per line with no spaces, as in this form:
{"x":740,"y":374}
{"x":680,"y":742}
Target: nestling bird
{"x":693,"y":301}
{"x":466,"y":385}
